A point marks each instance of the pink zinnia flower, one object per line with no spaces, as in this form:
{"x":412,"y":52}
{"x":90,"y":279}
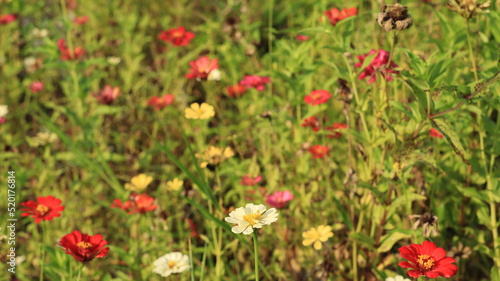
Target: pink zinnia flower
{"x":427,"y":260}
{"x":312,"y":122}
{"x":335,"y":15}
{"x":201,"y":67}
{"x":317,"y":97}
{"x":177,"y":36}
{"x":336,"y":127}
{"x":254,"y":81}
{"x":36,"y":86}
{"x":7,"y":18}
{"x":319,"y":151}
{"x":279,"y":198}
{"x":81,"y":20}
{"x":435,"y":133}
{"x":66,"y":54}
{"x":249,"y":181}
{"x":379,"y":63}
{"x":236,"y":91}
{"x":161,"y":102}
{"x":108,"y":95}
{"x":302,"y":38}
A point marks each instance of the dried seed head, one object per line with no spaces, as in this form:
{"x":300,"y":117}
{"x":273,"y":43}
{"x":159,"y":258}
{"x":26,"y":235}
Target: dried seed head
{"x":394,"y":17}
{"x":468,"y":8}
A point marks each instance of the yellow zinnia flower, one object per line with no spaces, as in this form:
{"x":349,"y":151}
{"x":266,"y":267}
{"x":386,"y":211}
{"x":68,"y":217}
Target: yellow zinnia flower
{"x":196,"y":111}
{"x":214,"y":155}
{"x":174,"y":184}
{"x":317,"y":235}
{"x":139,"y":182}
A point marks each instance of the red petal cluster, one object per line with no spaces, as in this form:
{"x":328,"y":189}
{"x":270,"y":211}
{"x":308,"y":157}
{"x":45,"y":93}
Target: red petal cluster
{"x":201,"y":67}
{"x":379,"y":63}
{"x":428,"y":260}
{"x":312,"y":122}
{"x":317,"y":97}
{"x":65,"y":52}
{"x":335,"y":15}
{"x":84,"y":247}
{"x":435,"y":133}
{"x":236,"y":91}
{"x":138,"y":203}
{"x":7,"y":18}
{"x":319,"y":151}
{"x":335,"y":128}
{"x":256,"y":82}
{"x":249,"y":181}
{"x":161,"y":102}
{"x":177,"y":36}
{"x":107,"y":95}
{"x":45,"y":208}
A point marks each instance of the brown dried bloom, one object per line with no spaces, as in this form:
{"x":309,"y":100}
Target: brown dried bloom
{"x":460,"y":252}
{"x":468,"y":8}
{"x":428,"y":223}
{"x":394,"y":17}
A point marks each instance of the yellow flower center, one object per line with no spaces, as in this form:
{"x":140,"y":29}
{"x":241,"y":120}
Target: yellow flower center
{"x":83,"y":245}
{"x":252,"y":217}
{"x":171,"y":264}
{"x":42,"y":209}
{"x":425,"y":261}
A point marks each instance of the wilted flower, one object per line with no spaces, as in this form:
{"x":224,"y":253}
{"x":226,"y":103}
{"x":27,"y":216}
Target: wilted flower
{"x":335,"y":15}
{"x":84,"y":247}
{"x":161,"y":102}
{"x":435,"y":133}
{"x":43,"y":138}
{"x":138,"y":203}
{"x":336,"y":127}
{"x":201,"y":68}
{"x":319,"y":151}
{"x":171,"y":263}
{"x":317,"y":235}
{"x":67,"y":54}
{"x":428,"y":260}
{"x":7,"y":18}
{"x":317,"y":97}
{"x":197,"y":111}
{"x":378,"y":64}
{"x":279,"y":199}
{"x":107,"y":95}
{"x":249,"y":181}
{"x":236,"y":91}
{"x":256,"y":82}
{"x":428,"y":222}
{"x":312,"y":122}
{"x":174,"y":184}
{"x":139,"y":182}
{"x":394,"y":17}
{"x":214,"y":155}
{"x":177,"y":36}
{"x":468,"y":8}
{"x":251,"y":216}
{"x":45,"y":208}
{"x":81,"y":20}
{"x":397,"y":278}
{"x":460,"y":252}
{"x":302,"y":38}
{"x":36,"y":86}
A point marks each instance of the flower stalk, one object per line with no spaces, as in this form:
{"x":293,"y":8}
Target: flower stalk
{"x":256,"y":254}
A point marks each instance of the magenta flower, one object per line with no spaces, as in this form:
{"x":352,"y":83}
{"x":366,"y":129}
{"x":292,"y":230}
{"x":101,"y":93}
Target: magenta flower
{"x":279,"y":199}
{"x":378,"y":64}
{"x":249,"y":181}
{"x":254,"y":81}
{"x":36,"y":86}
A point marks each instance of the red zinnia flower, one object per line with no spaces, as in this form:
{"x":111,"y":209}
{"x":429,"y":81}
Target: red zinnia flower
{"x":193,"y":227}
{"x":161,"y":102}
{"x":36,"y":86}
{"x":84,"y":247}
{"x":108,"y":94}
{"x":254,"y":81}
{"x":201,"y":67}
{"x":3,"y":120}
{"x":45,"y":208}
{"x":428,"y":260}
{"x":319,"y":151}
{"x":335,"y":128}
{"x":178,"y":36}
{"x":81,"y":20}
{"x":335,"y":15}
{"x":236,"y":91}
{"x":312,"y":122}
{"x":435,"y":133}
{"x":249,"y":181}
{"x":138,"y":203}
{"x":65,"y":52}
{"x":302,"y":38}
{"x":317,"y":97}
{"x":7,"y":18}
{"x":379,"y":63}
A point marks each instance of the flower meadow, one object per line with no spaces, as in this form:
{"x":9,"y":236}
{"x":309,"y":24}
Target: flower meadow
{"x":250,"y":140}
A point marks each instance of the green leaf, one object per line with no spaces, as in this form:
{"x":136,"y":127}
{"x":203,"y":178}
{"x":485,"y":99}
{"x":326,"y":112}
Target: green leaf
{"x":452,"y":137}
{"x":390,"y":239}
{"x":416,"y":63}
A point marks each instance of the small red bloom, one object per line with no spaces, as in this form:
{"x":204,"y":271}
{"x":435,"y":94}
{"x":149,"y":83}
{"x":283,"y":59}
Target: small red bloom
{"x":3,"y":120}
{"x":379,"y":63}
{"x":435,"y":133}
{"x":319,"y":151}
{"x":45,"y":208}
{"x":317,"y":97}
{"x":161,"y":102}
{"x":193,"y":227}
{"x":107,"y":95}
{"x":335,"y":15}
{"x":335,"y":128}
{"x":36,"y":86}
{"x":428,"y":260}
{"x":7,"y":18}
{"x":249,"y":181}
{"x":177,"y":36}
{"x":279,"y":199}
{"x":66,"y":54}
{"x":236,"y":91}
{"x":302,"y":38}
{"x":81,"y":20}
{"x":201,"y":67}
{"x":254,"y":81}
{"x":138,"y":203}
{"x":312,"y":122}
{"x":84,"y":247}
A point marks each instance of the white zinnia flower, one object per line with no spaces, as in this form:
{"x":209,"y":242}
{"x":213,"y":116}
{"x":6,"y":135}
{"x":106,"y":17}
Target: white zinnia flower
{"x":4,"y":109}
{"x":397,"y":278}
{"x":214,"y":75}
{"x":251,"y":216}
{"x":171,"y":263}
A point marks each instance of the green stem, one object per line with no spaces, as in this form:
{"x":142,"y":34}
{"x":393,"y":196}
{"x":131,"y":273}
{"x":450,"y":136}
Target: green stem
{"x":42,"y":250}
{"x":79,"y":272}
{"x":471,"y":53}
{"x":191,"y":258}
{"x":256,"y":254}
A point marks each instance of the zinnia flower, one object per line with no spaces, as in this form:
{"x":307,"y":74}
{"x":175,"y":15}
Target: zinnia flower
{"x":397,"y":278}
{"x":171,"y":263}
{"x":177,"y":36}
{"x":249,"y":181}
{"x":81,"y":20}
{"x":7,"y":18}
{"x":236,"y":91}
{"x":139,"y":182}
{"x":336,"y":127}
{"x":254,"y":81}
{"x":36,"y":86}
{"x":214,"y":155}
{"x":317,"y":97}
{"x":201,"y":68}
{"x":428,"y":260}
{"x":174,"y":184}
{"x":379,"y":63}
{"x":161,"y":102}
{"x":279,"y":199}
{"x":312,"y":122}
{"x":435,"y":133}
{"x":197,"y":111}
{"x":335,"y":15}
{"x":317,"y":236}
{"x":319,"y":151}
{"x":45,"y":208}
{"x":84,"y":247}
{"x":66,"y":54}
{"x":302,"y":38}
{"x":107,"y":95}
{"x":138,"y":203}
{"x":251,"y":216}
